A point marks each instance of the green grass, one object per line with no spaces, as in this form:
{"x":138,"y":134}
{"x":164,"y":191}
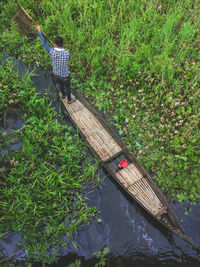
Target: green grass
{"x":41,"y":186}
{"x":140,"y":62}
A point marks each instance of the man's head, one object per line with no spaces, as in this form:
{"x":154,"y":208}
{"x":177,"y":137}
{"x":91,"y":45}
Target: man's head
{"x":59,"y":41}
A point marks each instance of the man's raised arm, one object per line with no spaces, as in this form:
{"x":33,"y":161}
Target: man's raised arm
{"x":44,"y":43}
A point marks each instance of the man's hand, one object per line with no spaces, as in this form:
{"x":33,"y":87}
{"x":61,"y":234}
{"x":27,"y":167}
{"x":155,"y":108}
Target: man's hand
{"x":38,"y":28}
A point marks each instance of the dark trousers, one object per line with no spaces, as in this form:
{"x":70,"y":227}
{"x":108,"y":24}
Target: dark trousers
{"x":63,"y":83}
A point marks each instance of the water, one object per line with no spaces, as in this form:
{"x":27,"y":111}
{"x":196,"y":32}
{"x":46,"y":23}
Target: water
{"x":133,"y":236}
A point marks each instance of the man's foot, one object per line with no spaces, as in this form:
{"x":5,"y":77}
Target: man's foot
{"x":64,"y":96}
{"x":72,"y":100}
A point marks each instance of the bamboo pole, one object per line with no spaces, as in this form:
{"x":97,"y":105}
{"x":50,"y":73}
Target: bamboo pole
{"x":33,"y":21}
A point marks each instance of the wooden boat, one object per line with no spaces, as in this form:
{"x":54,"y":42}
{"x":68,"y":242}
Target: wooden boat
{"x":110,"y":150}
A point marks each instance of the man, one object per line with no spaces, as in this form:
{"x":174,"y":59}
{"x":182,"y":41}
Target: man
{"x":59,"y":57}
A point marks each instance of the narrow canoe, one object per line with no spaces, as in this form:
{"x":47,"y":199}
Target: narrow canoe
{"x":110,"y":150}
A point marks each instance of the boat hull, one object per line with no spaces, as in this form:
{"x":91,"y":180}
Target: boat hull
{"x":110,"y":150}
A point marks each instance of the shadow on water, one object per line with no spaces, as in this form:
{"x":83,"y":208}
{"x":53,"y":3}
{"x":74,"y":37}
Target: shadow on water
{"x":12,"y":120}
{"x":133,"y":236}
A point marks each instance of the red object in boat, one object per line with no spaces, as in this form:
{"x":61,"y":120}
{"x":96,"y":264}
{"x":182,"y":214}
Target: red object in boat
{"x":123,"y":164}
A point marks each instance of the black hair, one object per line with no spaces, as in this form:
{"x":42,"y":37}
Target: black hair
{"x":59,"y":41}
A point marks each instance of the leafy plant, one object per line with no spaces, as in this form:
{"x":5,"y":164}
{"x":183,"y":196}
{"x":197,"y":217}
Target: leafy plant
{"x":41,"y":186}
{"x":101,"y":255}
{"x":77,"y":263}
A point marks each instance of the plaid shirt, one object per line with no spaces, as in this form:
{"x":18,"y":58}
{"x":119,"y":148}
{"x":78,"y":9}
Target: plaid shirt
{"x":59,"y":58}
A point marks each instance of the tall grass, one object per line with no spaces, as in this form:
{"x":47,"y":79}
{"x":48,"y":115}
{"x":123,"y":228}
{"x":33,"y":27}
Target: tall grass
{"x":140,"y":60}
{"x":41,"y":185}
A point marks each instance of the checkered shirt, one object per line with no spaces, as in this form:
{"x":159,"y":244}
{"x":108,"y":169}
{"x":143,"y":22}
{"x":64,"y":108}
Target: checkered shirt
{"x":59,"y":58}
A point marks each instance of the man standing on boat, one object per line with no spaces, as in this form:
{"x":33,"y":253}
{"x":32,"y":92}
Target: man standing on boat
{"x":59,"y":57}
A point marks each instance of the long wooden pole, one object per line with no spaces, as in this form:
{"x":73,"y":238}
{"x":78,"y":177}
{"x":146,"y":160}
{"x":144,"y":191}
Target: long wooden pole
{"x":33,"y":21}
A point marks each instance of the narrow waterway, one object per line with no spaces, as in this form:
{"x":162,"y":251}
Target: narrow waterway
{"x":133,"y":236}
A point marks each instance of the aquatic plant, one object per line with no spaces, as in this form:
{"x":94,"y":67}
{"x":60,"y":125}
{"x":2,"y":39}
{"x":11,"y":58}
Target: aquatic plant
{"x":41,"y":186}
{"x":77,"y":263}
{"x":101,"y":256}
{"x":140,"y":62}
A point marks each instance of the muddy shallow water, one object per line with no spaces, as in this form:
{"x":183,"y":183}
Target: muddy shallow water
{"x":133,"y":236}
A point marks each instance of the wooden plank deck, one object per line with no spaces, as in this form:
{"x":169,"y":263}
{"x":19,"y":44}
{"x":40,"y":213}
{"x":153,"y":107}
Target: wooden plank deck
{"x":99,"y":139}
{"x":143,"y":192}
{"x":139,"y":188}
{"x":129,"y":175}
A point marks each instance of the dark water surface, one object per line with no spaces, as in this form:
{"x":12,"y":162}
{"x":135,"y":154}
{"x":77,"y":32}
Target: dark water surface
{"x":133,"y":236}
